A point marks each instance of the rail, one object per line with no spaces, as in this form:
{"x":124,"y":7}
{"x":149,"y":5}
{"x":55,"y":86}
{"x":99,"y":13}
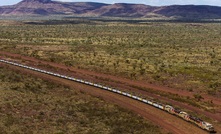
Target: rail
{"x":167,"y":108}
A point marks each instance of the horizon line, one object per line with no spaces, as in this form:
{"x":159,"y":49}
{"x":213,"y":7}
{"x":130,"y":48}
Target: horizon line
{"x":124,"y":3}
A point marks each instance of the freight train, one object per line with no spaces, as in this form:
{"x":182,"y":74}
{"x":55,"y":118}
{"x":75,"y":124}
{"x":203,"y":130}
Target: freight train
{"x":170,"y":109}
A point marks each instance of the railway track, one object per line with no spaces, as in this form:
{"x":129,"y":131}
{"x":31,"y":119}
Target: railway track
{"x":200,"y":123}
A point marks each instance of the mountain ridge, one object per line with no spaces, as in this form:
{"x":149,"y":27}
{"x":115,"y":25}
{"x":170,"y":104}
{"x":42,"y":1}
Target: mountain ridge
{"x":49,"y":7}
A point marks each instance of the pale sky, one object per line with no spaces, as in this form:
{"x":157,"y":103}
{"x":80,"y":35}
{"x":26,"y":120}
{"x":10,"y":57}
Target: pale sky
{"x":147,"y":2}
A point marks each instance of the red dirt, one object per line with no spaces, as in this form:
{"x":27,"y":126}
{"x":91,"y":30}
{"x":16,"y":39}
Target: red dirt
{"x":215,"y":100}
{"x":115,"y":81}
{"x":123,"y":83}
{"x":168,"y":122}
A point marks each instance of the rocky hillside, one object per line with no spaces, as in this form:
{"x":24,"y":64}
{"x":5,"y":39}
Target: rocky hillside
{"x":48,"y":7}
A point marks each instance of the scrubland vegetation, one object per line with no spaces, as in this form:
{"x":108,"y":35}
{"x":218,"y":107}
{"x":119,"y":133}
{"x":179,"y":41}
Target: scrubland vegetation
{"x":178,"y":55}
{"x":32,"y":105}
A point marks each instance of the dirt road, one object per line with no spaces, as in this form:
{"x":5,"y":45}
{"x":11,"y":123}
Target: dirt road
{"x":216,"y":101}
{"x":122,"y":83}
{"x":168,"y":122}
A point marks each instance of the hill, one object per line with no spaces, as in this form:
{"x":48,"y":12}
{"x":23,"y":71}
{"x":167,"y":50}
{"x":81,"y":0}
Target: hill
{"x":48,"y":7}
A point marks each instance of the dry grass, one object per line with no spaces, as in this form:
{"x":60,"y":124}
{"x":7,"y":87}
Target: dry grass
{"x":31,"y":105}
{"x":179,"y":55}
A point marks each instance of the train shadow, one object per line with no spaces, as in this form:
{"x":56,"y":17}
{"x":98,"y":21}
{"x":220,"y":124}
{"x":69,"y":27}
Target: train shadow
{"x":213,"y":132}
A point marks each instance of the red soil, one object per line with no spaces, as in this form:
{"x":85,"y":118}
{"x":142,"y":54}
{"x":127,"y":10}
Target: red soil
{"x":167,"y":121}
{"x":123,"y":83}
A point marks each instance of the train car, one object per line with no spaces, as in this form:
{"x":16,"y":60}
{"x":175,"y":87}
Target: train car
{"x":86,"y":82}
{"x":192,"y":119}
{"x":155,"y":104}
{"x":140,"y":99}
{"x":40,"y":70}
{"x":124,"y":93}
{"x":169,"y":109}
{"x":50,"y":73}
{"x":71,"y":78}
{"x":114,"y":90}
{"x":161,"y":106}
{"x":207,"y":126}
{"x":110,"y":89}
{"x":78,"y":80}
{"x":100,"y":86}
{"x":104,"y":87}
{"x":150,"y":102}
{"x":90,"y":83}
{"x":204,"y":125}
{"x":133,"y":96}
{"x":196,"y":121}
{"x":129,"y":95}
{"x":158,"y":105}
{"x":82,"y":81}
{"x":145,"y":101}
{"x":177,"y":111}
{"x":94,"y":84}
{"x":118,"y":91}
{"x":184,"y":115}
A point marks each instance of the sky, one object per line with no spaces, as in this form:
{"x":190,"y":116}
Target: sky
{"x":147,"y":2}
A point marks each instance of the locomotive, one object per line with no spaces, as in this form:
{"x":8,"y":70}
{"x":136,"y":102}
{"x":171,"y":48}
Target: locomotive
{"x":202,"y":124}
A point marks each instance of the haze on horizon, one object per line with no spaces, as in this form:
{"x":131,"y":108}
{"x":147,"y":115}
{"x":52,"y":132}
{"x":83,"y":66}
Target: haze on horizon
{"x":147,"y":2}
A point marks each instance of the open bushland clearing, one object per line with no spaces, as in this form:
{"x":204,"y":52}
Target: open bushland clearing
{"x":176,"y":63}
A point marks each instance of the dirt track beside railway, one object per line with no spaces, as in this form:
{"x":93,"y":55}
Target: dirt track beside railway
{"x":120,"y":83}
{"x":215,"y":100}
{"x":168,"y":122}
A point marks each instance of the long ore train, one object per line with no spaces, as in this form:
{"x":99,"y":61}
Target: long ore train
{"x":170,"y":109}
